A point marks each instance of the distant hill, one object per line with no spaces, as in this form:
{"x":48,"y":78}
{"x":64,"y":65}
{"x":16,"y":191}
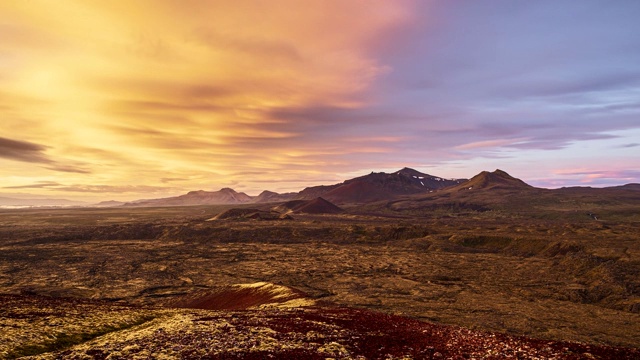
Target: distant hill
{"x":314,"y":206}
{"x":379,"y":186}
{"x":109,"y":203}
{"x":313,"y":192}
{"x":200,"y":197}
{"x":492,"y":180}
{"x":271,"y":197}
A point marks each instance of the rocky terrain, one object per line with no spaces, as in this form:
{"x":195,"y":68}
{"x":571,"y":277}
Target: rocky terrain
{"x":490,"y":268}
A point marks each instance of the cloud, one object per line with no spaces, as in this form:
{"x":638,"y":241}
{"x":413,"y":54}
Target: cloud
{"x":491,"y":144}
{"x":39,"y":185}
{"x":22,"y":151}
{"x":172,"y":179}
{"x":628,"y":173}
{"x":34,"y":153}
{"x":111,"y":189}
{"x":602,"y":177}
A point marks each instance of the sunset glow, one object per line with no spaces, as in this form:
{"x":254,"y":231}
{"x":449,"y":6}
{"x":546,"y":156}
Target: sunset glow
{"x":124,"y":100}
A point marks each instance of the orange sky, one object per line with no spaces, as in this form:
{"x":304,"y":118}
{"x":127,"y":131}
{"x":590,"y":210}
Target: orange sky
{"x":173,"y":95}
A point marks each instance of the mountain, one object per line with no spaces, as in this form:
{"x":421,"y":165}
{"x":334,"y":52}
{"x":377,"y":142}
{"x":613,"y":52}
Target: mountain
{"x":476,"y":193}
{"x":503,"y":193}
{"x":200,"y":197}
{"x":314,"y":206}
{"x":492,"y":180}
{"x":313,"y":192}
{"x":483,"y":192}
{"x":270,"y":197}
{"x":364,"y":189}
{"x":379,"y":186}
{"x":427,"y":182}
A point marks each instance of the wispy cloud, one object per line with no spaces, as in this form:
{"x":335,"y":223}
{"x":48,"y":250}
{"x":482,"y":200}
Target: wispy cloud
{"x":491,"y":144}
{"x":106,"y":189}
{"x":38,"y":185}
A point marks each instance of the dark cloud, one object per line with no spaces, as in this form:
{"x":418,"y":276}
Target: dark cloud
{"x":68,"y":168}
{"x":34,"y":153}
{"x":23,"y":151}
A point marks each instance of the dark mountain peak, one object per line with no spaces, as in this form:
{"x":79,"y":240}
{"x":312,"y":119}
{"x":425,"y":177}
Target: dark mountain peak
{"x":268,"y":193}
{"x":229,"y":190}
{"x":320,"y":201}
{"x":498,"y":178}
{"x":409,"y":172}
{"x":318,"y":205}
{"x":502,"y":173}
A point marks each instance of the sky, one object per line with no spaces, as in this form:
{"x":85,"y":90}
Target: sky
{"x":127,"y":100}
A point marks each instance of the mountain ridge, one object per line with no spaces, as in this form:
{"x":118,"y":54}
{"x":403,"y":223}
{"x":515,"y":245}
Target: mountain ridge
{"x":378,"y":186}
{"x":375,"y":186}
{"x":365,"y":189}
{"x":198,"y":197}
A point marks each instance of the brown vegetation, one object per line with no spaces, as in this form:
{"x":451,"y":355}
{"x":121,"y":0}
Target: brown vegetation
{"x":63,"y":328}
{"x":560,"y":265}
